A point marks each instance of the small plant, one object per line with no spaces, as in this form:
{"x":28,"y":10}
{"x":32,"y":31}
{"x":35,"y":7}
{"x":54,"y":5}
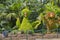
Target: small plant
{"x":25,"y":26}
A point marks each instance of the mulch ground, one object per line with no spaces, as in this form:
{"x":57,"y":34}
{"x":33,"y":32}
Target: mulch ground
{"x":29,"y":37}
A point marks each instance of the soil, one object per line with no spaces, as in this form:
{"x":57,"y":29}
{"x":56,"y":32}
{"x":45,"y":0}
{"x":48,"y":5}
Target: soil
{"x":29,"y":37}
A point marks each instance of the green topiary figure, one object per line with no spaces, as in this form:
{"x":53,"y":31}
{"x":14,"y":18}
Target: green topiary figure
{"x":26,"y":26}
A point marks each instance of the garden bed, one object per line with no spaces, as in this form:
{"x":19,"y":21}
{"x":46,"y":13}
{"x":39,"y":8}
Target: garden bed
{"x":30,"y":37}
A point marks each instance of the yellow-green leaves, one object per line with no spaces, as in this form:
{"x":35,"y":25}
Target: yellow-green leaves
{"x":25,"y":26}
{"x":15,"y":6}
{"x":38,"y":22}
{"x":52,"y":8}
{"x":18,"y":22}
{"x":26,"y":10}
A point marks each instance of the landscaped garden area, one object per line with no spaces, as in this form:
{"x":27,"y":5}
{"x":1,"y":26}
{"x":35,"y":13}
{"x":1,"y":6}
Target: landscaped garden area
{"x":29,"y":18}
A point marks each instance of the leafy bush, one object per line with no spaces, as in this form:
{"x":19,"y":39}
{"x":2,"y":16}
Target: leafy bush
{"x":34,"y":10}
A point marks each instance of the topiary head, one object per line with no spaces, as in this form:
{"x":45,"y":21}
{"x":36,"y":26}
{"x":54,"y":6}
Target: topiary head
{"x":25,"y":12}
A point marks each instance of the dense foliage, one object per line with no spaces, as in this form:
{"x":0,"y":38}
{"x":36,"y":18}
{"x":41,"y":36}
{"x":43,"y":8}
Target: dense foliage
{"x":31,"y":15}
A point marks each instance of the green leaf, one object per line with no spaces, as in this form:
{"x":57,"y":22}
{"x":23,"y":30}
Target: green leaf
{"x":15,"y":6}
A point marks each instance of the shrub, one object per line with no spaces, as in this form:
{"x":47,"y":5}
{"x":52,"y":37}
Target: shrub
{"x":25,"y":26}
